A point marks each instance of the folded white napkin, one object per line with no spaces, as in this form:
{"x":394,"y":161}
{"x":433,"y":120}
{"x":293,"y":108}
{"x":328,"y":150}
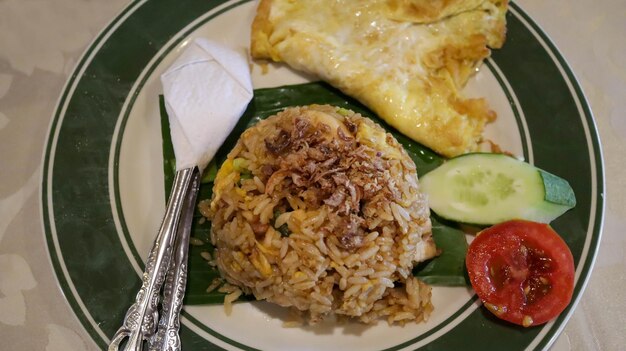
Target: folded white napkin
{"x":206,"y":91}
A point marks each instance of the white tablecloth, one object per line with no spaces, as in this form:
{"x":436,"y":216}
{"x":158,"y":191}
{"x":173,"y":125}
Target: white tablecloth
{"x":40,"y":43}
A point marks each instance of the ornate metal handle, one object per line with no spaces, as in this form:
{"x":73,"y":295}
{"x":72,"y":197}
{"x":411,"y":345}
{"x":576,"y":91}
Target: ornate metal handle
{"x":167,"y":337}
{"x":140,"y":322}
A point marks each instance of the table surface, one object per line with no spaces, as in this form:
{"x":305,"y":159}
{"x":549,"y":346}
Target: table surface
{"x":40,"y":43}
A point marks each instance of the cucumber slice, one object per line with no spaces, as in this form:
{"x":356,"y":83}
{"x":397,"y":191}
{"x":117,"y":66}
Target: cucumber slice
{"x":484,"y":188}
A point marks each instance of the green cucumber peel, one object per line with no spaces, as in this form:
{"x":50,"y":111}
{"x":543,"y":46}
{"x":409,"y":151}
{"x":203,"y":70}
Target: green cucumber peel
{"x":557,"y":190}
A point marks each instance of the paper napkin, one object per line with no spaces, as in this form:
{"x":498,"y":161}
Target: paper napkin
{"x":206,"y":91}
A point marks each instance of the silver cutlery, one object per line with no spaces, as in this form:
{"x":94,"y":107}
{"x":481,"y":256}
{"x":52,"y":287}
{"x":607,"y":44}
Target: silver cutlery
{"x":166,"y":269}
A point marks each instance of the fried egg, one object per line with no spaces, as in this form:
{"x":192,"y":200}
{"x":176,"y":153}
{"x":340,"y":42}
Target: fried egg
{"x":404,"y":59}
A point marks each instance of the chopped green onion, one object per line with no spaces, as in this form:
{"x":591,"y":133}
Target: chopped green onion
{"x":240,"y":164}
{"x":344,"y":112}
{"x":283,"y":229}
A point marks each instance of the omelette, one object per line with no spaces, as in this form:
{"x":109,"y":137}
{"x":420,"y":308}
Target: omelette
{"x":406,"y":60}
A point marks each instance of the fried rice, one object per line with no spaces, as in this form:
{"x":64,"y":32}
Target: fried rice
{"x":319,"y":209}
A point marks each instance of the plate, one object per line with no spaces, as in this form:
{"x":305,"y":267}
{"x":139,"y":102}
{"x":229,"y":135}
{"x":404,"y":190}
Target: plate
{"x":103,"y":199}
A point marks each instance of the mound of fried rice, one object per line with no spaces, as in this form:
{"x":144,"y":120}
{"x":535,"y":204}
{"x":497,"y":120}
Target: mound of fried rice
{"x":319,"y":209}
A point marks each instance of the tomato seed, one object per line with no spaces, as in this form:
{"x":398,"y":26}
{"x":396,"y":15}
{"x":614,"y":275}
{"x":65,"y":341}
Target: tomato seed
{"x":500,"y":273}
{"x":497,"y":310}
{"x":527,"y":321}
{"x":536,"y":288}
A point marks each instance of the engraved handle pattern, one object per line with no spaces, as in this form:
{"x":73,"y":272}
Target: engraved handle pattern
{"x":167,"y":337}
{"x":140,"y":321}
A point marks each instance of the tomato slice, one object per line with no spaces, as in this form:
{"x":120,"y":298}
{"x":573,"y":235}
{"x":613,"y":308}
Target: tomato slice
{"x":522,"y":271}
